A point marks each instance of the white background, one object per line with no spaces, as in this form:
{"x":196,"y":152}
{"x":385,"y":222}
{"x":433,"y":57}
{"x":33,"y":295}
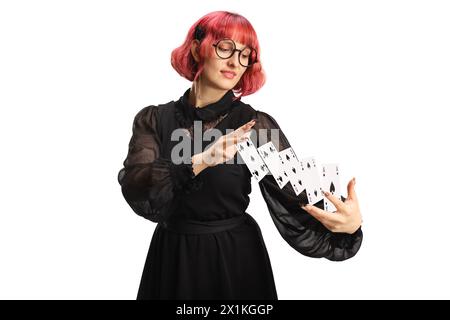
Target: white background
{"x":362,"y":83}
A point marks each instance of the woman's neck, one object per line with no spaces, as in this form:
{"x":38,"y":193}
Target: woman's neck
{"x":201,"y":95}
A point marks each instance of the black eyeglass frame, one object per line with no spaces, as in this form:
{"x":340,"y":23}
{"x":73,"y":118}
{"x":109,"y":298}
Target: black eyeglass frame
{"x":234,"y":50}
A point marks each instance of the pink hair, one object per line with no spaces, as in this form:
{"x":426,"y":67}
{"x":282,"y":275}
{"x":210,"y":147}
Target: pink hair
{"x":218,"y":25}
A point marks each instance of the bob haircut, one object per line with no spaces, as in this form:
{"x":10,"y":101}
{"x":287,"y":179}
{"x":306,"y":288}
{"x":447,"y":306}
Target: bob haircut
{"x":218,"y":25}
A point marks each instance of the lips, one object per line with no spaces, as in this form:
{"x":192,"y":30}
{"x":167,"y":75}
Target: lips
{"x":228,"y":74}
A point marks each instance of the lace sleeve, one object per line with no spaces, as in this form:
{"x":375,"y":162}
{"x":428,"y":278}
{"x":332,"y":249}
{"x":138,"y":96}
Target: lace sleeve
{"x":150,"y":184}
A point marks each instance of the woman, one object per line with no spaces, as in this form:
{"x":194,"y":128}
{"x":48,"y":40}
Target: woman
{"x":205,"y":246}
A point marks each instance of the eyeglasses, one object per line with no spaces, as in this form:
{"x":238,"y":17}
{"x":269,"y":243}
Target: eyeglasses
{"x":225,"y":49}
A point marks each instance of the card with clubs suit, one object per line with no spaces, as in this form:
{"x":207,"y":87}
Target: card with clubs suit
{"x":331,"y":183}
{"x":274,"y":162}
{"x":252,"y":159}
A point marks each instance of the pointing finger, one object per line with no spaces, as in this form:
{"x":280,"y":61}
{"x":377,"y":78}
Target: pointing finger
{"x":241,"y":131}
{"x":246,"y":126}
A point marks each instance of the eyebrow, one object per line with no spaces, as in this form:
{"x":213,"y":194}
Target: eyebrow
{"x":244,"y":46}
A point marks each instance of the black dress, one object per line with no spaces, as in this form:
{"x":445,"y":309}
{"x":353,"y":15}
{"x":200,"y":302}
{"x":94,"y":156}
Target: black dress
{"x":205,"y":245}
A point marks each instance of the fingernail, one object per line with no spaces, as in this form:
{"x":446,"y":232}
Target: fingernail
{"x":354,"y":180}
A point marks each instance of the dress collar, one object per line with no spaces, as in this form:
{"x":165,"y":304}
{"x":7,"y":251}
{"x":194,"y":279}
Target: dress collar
{"x":186,"y":113}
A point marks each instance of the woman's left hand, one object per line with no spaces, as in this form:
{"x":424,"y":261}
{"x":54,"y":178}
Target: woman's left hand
{"x":346,"y":219}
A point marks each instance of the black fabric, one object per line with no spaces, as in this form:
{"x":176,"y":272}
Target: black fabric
{"x":186,"y":226}
{"x":231,"y":263}
{"x":187,"y":113}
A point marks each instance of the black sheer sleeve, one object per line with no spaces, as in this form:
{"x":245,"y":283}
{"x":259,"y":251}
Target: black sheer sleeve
{"x":297,"y":227}
{"x":150,"y":184}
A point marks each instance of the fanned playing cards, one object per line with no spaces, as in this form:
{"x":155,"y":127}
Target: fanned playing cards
{"x":274,"y":162}
{"x":249,"y":154}
{"x":304,"y":175}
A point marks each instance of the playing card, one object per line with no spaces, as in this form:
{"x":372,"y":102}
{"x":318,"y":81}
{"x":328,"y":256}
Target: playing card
{"x":274,"y":162}
{"x":252,"y":159}
{"x":312,"y":180}
{"x":293,"y":169}
{"x":331,"y":183}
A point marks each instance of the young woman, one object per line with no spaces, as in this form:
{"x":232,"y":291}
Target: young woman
{"x":205,"y":245}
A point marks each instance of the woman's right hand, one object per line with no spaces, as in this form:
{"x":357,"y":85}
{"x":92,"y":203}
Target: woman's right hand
{"x":224,"y":148}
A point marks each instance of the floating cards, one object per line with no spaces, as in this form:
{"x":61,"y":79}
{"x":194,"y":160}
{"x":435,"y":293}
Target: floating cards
{"x":311,"y":178}
{"x":274,"y":162}
{"x":249,"y":154}
{"x":303,"y":174}
{"x":293,"y":169}
{"x":330,"y":183}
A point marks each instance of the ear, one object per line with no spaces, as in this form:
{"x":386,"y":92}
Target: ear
{"x":194,"y":50}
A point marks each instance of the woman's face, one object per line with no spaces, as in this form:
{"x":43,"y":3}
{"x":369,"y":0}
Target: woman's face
{"x":220,"y":73}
